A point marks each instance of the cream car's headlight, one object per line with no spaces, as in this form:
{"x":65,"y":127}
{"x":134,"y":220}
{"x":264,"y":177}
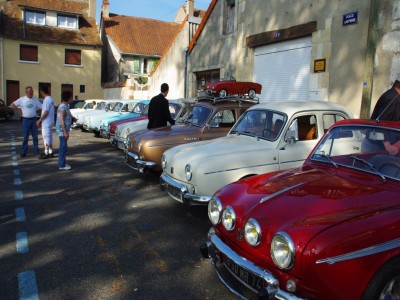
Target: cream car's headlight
{"x":282,"y":250}
{"x":252,"y":232}
{"x":214,"y":211}
{"x":163,"y":162}
{"x":188,"y":172}
{"x":229,"y":218}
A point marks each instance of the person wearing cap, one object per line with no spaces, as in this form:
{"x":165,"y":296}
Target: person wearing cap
{"x":388,"y":108}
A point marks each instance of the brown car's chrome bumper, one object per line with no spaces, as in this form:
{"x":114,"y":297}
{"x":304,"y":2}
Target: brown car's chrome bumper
{"x":132,"y":160}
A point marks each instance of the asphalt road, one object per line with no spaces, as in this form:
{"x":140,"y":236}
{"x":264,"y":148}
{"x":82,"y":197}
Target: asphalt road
{"x":98,"y":231}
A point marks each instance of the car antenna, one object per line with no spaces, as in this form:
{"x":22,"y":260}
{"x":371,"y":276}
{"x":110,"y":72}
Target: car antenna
{"x":391,"y":101}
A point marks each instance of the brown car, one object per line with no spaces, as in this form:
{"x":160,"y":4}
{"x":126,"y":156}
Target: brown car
{"x":5,"y":111}
{"x":210,"y":118}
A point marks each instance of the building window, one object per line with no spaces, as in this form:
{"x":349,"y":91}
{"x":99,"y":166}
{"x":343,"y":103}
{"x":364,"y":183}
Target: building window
{"x":35,"y":17}
{"x":82,"y":88}
{"x":28,"y":53}
{"x":67,"y":22}
{"x":229,"y":16}
{"x":73,"y":57}
{"x":204,"y":77}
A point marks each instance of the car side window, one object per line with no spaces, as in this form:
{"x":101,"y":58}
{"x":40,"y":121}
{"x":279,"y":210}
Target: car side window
{"x":223,"y":118}
{"x":303,"y":128}
{"x":329,"y":119}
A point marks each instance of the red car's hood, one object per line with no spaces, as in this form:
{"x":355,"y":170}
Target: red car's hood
{"x":307,"y":199}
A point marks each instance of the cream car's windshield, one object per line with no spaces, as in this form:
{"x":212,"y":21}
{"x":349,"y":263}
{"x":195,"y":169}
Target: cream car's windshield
{"x":265,"y":124}
{"x":366,"y":148}
{"x":101,"y":106}
{"x":118,"y":106}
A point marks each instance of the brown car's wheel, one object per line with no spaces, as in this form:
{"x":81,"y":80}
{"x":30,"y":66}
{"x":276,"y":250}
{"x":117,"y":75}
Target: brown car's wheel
{"x":223,"y":93}
{"x":386,"y":282}
{"x":252,"y":93}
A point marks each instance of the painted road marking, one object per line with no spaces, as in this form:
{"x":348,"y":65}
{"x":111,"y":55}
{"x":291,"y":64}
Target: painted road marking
{"x":22,"y":242}
{"x":19,"y":195}
{"x":20,"y":214}
{"x":17,"y":181}
{"x":27,"y":286}
{"x":15,"y":164}
{"x":16,"y":172}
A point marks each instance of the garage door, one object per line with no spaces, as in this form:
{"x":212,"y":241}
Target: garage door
{"x":283,"y":69}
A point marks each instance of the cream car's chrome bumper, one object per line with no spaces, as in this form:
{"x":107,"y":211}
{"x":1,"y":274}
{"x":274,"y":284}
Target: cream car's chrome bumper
{"x":180,"y":192}
{"x":122,"y":143}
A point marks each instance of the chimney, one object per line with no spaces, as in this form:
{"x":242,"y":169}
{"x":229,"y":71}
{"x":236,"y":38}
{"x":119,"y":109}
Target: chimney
{"x":105,"y":9}
{"x":92,"y":9}
{"x":190,"y":7}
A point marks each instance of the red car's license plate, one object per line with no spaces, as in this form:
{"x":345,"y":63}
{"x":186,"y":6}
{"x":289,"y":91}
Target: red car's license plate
{"x":251,"y":280}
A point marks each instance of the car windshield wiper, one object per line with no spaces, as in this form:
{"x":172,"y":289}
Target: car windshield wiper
{"x":328,"y":158}
{"x":371,"y":166}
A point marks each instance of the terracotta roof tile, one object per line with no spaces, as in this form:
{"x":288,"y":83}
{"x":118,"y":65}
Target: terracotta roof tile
{"x":12,"y":24}
{"x":140,"y":35}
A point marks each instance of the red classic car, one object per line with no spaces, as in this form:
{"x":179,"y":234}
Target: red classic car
{"x":327,"y":230}
{"x":233,"y":87}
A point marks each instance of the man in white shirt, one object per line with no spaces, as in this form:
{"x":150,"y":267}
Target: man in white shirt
{"x":27,"y":106}
{"x":47,"y":121}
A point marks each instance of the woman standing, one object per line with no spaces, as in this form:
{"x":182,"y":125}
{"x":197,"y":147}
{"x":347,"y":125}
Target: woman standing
{"x":63,"y":126}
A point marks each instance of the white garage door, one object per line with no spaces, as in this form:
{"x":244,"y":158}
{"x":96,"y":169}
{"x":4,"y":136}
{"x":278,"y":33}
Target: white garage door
{"x":283,"y":69}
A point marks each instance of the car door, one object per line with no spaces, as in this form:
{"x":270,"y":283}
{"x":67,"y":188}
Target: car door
{"x":301,"y":136}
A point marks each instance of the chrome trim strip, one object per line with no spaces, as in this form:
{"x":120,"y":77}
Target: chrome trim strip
{"x":362,"y":252}
{"x":270,"y":196}
{"x":235,"y":169}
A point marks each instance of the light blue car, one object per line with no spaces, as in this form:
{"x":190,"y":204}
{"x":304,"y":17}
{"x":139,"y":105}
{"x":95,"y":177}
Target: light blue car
{"x":135,"y":112}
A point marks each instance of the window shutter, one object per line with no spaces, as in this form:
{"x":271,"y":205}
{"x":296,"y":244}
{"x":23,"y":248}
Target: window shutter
{"x":72,"y":57}
{"x":136,"y":66}
{"x":28,"y":53}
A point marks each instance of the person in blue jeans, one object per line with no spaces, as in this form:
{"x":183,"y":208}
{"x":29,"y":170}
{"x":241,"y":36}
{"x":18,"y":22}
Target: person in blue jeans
{"x":63,"y":127}
{"x":27,"y":106}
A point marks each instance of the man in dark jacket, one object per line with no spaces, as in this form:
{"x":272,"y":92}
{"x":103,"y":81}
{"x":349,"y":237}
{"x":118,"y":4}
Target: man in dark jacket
{"x":388,"y":105}
{"x":159,"y":113}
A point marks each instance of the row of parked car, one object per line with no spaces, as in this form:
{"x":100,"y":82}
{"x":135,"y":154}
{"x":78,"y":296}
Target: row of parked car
{"x":303,"y":199}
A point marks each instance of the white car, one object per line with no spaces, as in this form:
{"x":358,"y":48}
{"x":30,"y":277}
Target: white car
{"x":101,"y":106}
{"x":179,"y":110}
{"x":92,"y":122}
{"x":268,"y":137}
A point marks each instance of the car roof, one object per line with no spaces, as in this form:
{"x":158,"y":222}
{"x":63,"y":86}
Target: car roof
{"x":390,"y":124}
{"x":292,"y":107}
{"x":234,"y":101}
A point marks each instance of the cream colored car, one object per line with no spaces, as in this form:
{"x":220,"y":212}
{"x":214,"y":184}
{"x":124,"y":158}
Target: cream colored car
{"x":268,"y":137}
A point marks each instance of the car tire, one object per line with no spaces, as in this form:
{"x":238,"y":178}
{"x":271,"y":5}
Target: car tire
{"x":386,"y":282}
{"x":223,"y":93}
{"x":251,"y":93}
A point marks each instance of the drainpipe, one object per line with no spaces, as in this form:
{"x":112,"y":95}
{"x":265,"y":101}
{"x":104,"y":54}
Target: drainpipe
{"x":370,"y":60}
{"x":2,"y":71}
{"x":185,"y":73}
